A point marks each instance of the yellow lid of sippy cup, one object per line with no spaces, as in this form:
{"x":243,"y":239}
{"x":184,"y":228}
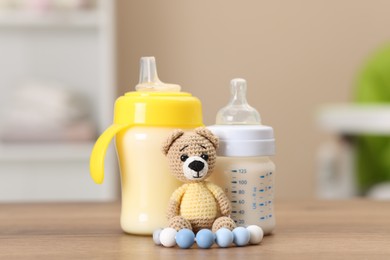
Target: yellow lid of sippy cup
{"x":154,"y":104}
{"x":171,"y":109}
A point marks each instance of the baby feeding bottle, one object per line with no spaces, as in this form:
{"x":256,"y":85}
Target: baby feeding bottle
{"x":243,"y":168}
{"x":142,"y":121}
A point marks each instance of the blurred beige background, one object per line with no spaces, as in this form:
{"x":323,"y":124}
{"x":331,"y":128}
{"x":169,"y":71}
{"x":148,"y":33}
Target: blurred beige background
{"x":295,"y":56}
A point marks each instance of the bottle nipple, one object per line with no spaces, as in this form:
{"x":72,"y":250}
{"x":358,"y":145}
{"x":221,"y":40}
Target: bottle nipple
{"x":238,"y":111}
{"x":148,"y":78}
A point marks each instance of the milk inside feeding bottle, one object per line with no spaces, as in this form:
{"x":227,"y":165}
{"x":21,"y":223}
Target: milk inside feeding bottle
{"x":243,"y":168}
{"x":142,"y":121}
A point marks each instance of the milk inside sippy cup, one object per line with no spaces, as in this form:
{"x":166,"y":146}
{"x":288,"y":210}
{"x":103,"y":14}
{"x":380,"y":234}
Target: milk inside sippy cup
{"x":142,"y":121}
{"x":243,"y":168}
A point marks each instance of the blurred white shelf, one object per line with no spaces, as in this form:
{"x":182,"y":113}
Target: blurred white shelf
{"x":53,"y":172}
{"x":355,"y":119}
{"x":78,"y":49}
{"x":55,"y":19}
{"x":45,"y":152}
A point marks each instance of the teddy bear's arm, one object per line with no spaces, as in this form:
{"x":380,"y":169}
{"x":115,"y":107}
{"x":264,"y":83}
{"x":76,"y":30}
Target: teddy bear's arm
{"x":220,"y":196}
{"x":174,"y":201}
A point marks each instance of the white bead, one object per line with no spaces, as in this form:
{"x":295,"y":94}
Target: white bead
{"x":256,"y":234}
{"x":167,"y":237}
{"x":156,"y":236}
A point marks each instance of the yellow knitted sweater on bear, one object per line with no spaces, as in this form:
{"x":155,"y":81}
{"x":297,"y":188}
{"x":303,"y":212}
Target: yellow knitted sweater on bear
{"x":198,"y":200}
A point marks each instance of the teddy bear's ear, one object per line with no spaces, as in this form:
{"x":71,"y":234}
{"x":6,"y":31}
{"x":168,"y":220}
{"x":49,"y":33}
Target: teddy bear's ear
{"x":167,"y":144}
{"x":206,"y":133}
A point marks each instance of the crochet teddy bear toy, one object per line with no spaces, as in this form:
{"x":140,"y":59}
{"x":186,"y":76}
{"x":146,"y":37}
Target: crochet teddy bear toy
{"x":198,"y":203}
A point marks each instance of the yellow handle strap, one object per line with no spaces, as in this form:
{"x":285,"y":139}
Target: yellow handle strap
{"x":96,"y":163}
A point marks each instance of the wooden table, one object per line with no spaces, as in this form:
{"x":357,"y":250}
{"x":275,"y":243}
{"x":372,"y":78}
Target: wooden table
{"x":357,"y":229}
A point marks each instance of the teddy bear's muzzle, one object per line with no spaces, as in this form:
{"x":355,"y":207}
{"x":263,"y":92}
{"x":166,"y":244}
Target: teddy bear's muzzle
{"x":195,"y":168}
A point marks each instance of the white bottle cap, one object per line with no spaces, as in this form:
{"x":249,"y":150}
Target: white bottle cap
{"x":238,"y":127}
{"x":244,"y":140}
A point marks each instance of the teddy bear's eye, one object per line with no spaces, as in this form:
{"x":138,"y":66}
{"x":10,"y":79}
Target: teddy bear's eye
{"x":204,"y":156}
{"x":183,"y":157}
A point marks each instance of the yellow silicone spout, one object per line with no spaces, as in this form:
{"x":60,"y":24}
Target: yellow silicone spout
{"x":153,"y":104}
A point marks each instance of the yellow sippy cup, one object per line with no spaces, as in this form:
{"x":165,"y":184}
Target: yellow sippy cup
{"x":142,"y":121}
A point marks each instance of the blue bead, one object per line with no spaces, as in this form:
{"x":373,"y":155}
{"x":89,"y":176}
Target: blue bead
{"x":205,"y":238}
{"x":185,"y":238}
{"x":224,"y":237}
{"x":241,"y":236}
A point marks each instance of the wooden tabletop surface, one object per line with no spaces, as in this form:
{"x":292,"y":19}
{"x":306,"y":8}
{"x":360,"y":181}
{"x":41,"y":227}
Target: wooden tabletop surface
{"x":358,"y":229}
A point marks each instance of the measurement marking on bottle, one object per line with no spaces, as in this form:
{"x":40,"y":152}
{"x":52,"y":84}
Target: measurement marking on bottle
{"x":249,"y":198}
